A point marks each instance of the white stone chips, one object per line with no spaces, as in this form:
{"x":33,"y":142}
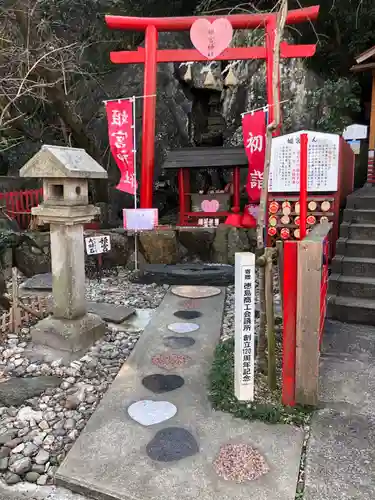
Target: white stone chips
{"x":147,"y":412}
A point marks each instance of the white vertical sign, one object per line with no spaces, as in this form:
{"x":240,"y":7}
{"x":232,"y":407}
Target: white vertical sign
{"x":244,"y":336}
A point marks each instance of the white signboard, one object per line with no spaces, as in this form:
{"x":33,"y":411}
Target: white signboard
{"x":323,"y":163}
{"x":140,"y":219}
{"x":244,"y":339}
{"x":97,"y":244}
{"x":355,"y":132}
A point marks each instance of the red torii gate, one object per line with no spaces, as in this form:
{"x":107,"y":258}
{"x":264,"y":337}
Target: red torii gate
{"x":150,"y":56}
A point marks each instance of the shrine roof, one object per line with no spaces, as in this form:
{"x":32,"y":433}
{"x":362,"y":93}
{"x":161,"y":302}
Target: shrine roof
{"x":63,"y":162}
{"x":215,"y":157}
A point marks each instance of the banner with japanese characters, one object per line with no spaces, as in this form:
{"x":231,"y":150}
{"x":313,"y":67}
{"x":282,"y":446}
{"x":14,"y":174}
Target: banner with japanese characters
{"x":121,"y":141}
{"x":254,"y":136}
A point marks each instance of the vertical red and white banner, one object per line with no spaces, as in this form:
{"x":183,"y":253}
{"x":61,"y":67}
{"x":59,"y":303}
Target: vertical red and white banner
{"x":254,"y":135}
{"x":121,"y":133}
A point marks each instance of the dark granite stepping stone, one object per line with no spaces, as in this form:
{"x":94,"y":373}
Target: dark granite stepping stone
{"x":39,"y":282}
{"x":110,"y":312}
{"x":178,"y":342}
{"x":16,"y":391}
{"x":188,"y":314}
{"x":171,"y":444}
{"x":158,"y":383}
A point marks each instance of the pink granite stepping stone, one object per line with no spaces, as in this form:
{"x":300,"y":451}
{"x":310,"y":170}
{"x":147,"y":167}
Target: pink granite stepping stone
{"x":170,"y":361}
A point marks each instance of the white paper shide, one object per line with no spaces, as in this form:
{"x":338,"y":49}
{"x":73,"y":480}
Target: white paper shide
{"x":244,"y":325}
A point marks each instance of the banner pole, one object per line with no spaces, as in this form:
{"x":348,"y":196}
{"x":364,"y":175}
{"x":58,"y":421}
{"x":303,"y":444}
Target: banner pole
{"x":135,"y":184}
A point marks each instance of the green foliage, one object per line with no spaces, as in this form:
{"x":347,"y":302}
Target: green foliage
{"x":335,"y":103}
{"x":221,"y":394}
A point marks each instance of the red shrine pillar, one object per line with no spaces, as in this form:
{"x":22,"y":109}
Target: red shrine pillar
{"x":270,"y":42}
{"x":148,"y":122}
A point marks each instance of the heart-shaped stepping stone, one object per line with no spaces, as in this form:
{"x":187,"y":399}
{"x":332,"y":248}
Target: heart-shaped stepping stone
{"x":195,"y":292}
{"x":147,"y":412}
{"x":158,"y":383}
{"x":183,"y":327}
{"x":170,"y":361}
{"x":178,"y":342}
{"x":187,"y":314}
{"x":171,"y":444}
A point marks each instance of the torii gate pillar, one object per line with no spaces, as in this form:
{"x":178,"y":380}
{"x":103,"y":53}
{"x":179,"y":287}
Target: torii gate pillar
{"x":150,"y":56}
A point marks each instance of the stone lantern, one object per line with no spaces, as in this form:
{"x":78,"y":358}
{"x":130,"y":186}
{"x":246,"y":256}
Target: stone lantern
{"x":65,"y":173}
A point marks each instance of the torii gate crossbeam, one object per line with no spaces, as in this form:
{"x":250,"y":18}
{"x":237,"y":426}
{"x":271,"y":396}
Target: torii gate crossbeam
{"x":150,"y":56}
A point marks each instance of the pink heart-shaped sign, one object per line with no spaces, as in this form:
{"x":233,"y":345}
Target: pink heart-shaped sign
{"x":210,"y":205}
{"x":211,"y":39}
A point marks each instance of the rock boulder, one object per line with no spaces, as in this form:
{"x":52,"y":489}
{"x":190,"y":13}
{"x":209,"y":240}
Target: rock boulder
{"x":160,"y":247}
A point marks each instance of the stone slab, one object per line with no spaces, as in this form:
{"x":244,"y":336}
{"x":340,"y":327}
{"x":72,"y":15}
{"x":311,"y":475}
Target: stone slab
{"x":188,"y":274}
{"x":110,"y":312}
{"x":39,"y":282}
{"x":340,"y":461}
{"x":109,"y":460}
{"x":16,"y":391}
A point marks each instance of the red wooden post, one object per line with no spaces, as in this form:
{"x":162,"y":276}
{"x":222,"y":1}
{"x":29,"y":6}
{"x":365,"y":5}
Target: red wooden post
{"x":236,"y":190}
{"x":22,"y":197}
{"x":303,"y":185}
{"x":149,"y":112}
{"x":289,"y":323}
{"x":182,"y":196}
{"x":270,"y":42}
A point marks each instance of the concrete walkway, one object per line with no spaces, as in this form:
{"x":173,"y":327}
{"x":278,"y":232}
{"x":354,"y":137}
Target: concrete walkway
{"x":341,"y":451}
{"x":117,"y":458}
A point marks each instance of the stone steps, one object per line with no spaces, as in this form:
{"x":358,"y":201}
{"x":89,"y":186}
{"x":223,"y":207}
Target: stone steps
{"x":353,"y":266}
{"x":360,"y":216}
{"x":357,"y":231}
{"x":352,"y":282}
{"x":363,"y":199}
{"x":359,"y":287}
{"x":351,"y":310}
{"x":355,"y":248}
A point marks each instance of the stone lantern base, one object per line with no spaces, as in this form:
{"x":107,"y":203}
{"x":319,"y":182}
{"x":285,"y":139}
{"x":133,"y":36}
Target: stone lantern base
{"x":68,"y":338}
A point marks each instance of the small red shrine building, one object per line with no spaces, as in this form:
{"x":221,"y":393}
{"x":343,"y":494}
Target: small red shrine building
{"x":212,"y":206}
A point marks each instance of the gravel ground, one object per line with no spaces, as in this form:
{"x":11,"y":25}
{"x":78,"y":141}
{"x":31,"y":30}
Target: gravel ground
{"x":120,"y":290}
{"x":35,"y":437}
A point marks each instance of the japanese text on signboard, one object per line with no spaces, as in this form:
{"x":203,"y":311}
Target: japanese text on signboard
{"x":97,"y":244}
{"x":248,"y":289}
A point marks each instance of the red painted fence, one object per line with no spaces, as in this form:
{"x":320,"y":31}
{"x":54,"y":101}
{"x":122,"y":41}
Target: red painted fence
{"x":18,"y":204}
